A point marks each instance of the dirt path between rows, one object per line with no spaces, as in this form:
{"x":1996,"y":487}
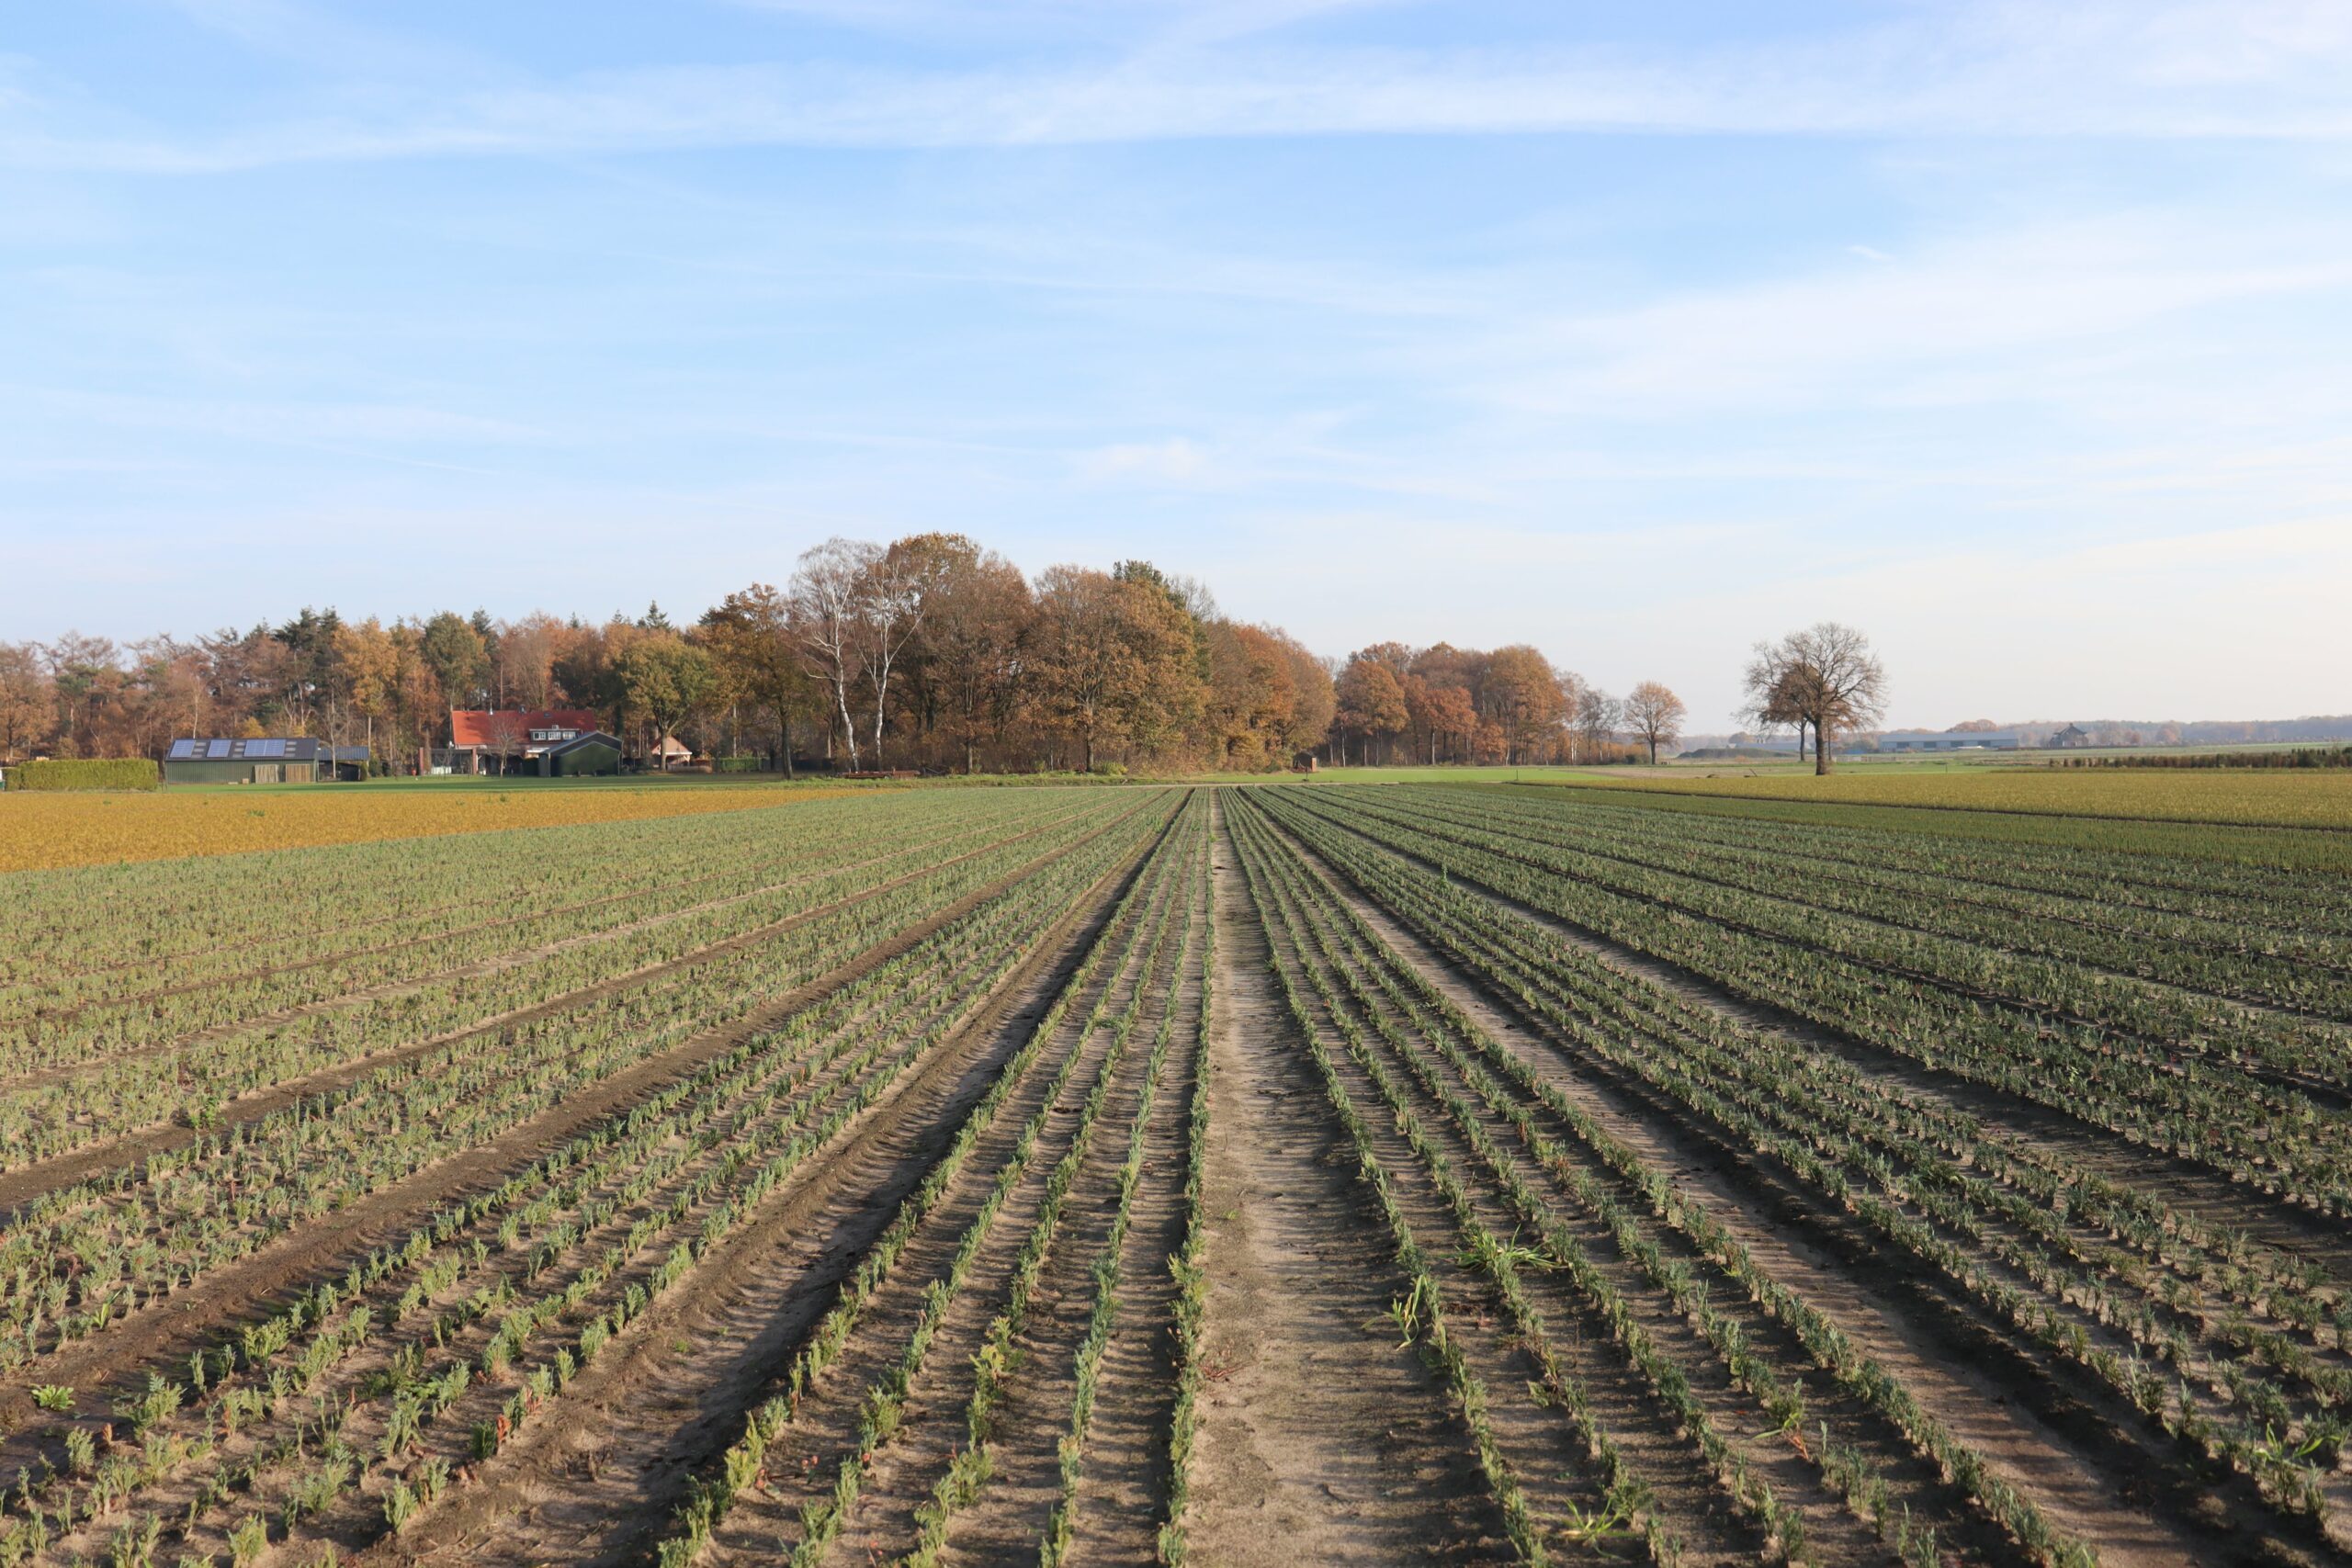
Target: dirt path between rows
{"x":2081,"y":1497}
{"x":1320,"y":1441}
{"x":22,"y":1186}
{"x":602,"y":1482}
{"x":237,"y":1289}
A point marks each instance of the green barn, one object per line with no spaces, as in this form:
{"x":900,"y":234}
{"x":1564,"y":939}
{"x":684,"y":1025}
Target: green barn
{"x":275,"y":760}
{"x":594,"y":752}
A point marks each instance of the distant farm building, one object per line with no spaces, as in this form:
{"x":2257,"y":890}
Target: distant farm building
{"x":484,"y":740}
{"x":1949,"y":740}
{"x":594,"y":752}
{"x":2073,"y":735}
{"x":282,"y":760}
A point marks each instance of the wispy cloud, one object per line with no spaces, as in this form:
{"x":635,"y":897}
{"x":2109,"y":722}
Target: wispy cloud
{"x":2253,"y":68}
{"x":1996,"y":315}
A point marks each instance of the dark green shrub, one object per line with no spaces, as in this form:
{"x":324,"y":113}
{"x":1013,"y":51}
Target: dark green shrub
{"x":92,"y":773}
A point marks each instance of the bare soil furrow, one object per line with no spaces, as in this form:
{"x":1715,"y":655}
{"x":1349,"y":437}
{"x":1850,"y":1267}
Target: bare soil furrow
{"x":1322,"y":1440}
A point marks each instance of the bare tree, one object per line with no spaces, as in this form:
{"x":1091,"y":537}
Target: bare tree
{"x":890,"y":604}
{"x":1598,"y":716}
{"x":1655,"y":714}
{"x":1824,"y":677}
{"x":505,"y":735}
{"x":1772,"y":699}
{"x":829,"y":620}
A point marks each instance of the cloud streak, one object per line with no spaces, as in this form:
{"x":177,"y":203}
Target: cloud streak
{"x":2258,"y":68}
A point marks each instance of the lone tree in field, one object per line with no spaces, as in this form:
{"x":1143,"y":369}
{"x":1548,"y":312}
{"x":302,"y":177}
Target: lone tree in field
{"x":1655,"y":714}
{"x":1826,"y":678}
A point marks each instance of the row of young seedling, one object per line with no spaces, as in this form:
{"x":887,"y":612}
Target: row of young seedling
{"x":970,"y":1467}
{"x":142,"y":917}
{"x":262,"y":1341}
{"x":2061,"y":1285}
{"x":2225,"y":1265}
{"x":1110,"y":1264}
{"x":1420,"y":1030}
{"x":2034,"y":948}
{"x":1821,"y":967}
{"x":1846,"y":1148}
{"x":87,"y":1254}
{"x":236,"y":1039}
{"x":2220,"y":898}
{"x":1117,"y":970}
{"x":431,"y":891}
{"x":756,"y":1115}
{"x":1189,"y":1308}
{"x":1907,"y":937}
{"x":1002,"y":1355}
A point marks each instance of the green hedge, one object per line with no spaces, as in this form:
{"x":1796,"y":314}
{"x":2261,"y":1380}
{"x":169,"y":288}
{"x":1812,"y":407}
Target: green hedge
{"x":740,"y":764}
{"x":96,"y":773}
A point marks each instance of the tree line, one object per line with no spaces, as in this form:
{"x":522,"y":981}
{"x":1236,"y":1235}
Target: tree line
{"x":930,"y":652}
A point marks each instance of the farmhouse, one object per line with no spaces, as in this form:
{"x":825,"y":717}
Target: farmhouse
{"x":483,"y":740}
{"x":2073,"y":735}
{"x":282,"y":760}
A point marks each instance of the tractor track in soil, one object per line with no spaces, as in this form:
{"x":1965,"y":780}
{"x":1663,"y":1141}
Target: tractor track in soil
{"x":244,"y":1290}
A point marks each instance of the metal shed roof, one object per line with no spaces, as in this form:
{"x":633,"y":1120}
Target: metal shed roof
{"x":268,"y":748}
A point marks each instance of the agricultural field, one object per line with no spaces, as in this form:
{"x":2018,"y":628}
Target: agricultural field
{"x":40,"y":831}
{"x":2280,"y":797}
{"x":1290,"y":1174}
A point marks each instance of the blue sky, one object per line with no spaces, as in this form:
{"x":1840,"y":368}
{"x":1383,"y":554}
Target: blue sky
{"x":2015,"y":333}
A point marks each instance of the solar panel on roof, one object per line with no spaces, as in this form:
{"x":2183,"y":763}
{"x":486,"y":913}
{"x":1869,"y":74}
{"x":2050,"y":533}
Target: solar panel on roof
{"x":265,"y":748}
{"x":215,"y":751}
{"x":183,"y":748}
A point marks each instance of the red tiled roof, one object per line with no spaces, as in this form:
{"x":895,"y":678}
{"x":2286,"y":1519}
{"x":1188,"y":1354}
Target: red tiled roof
{"x":470,"y":726}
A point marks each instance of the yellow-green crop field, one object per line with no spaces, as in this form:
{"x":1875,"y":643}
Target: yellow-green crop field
{"x":2283,"y":797}
{"x":41,"y":831}
{"x":978,"y":1171}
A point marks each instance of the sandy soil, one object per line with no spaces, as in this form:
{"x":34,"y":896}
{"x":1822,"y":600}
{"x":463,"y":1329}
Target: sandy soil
{"x":1320,"y":1440}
